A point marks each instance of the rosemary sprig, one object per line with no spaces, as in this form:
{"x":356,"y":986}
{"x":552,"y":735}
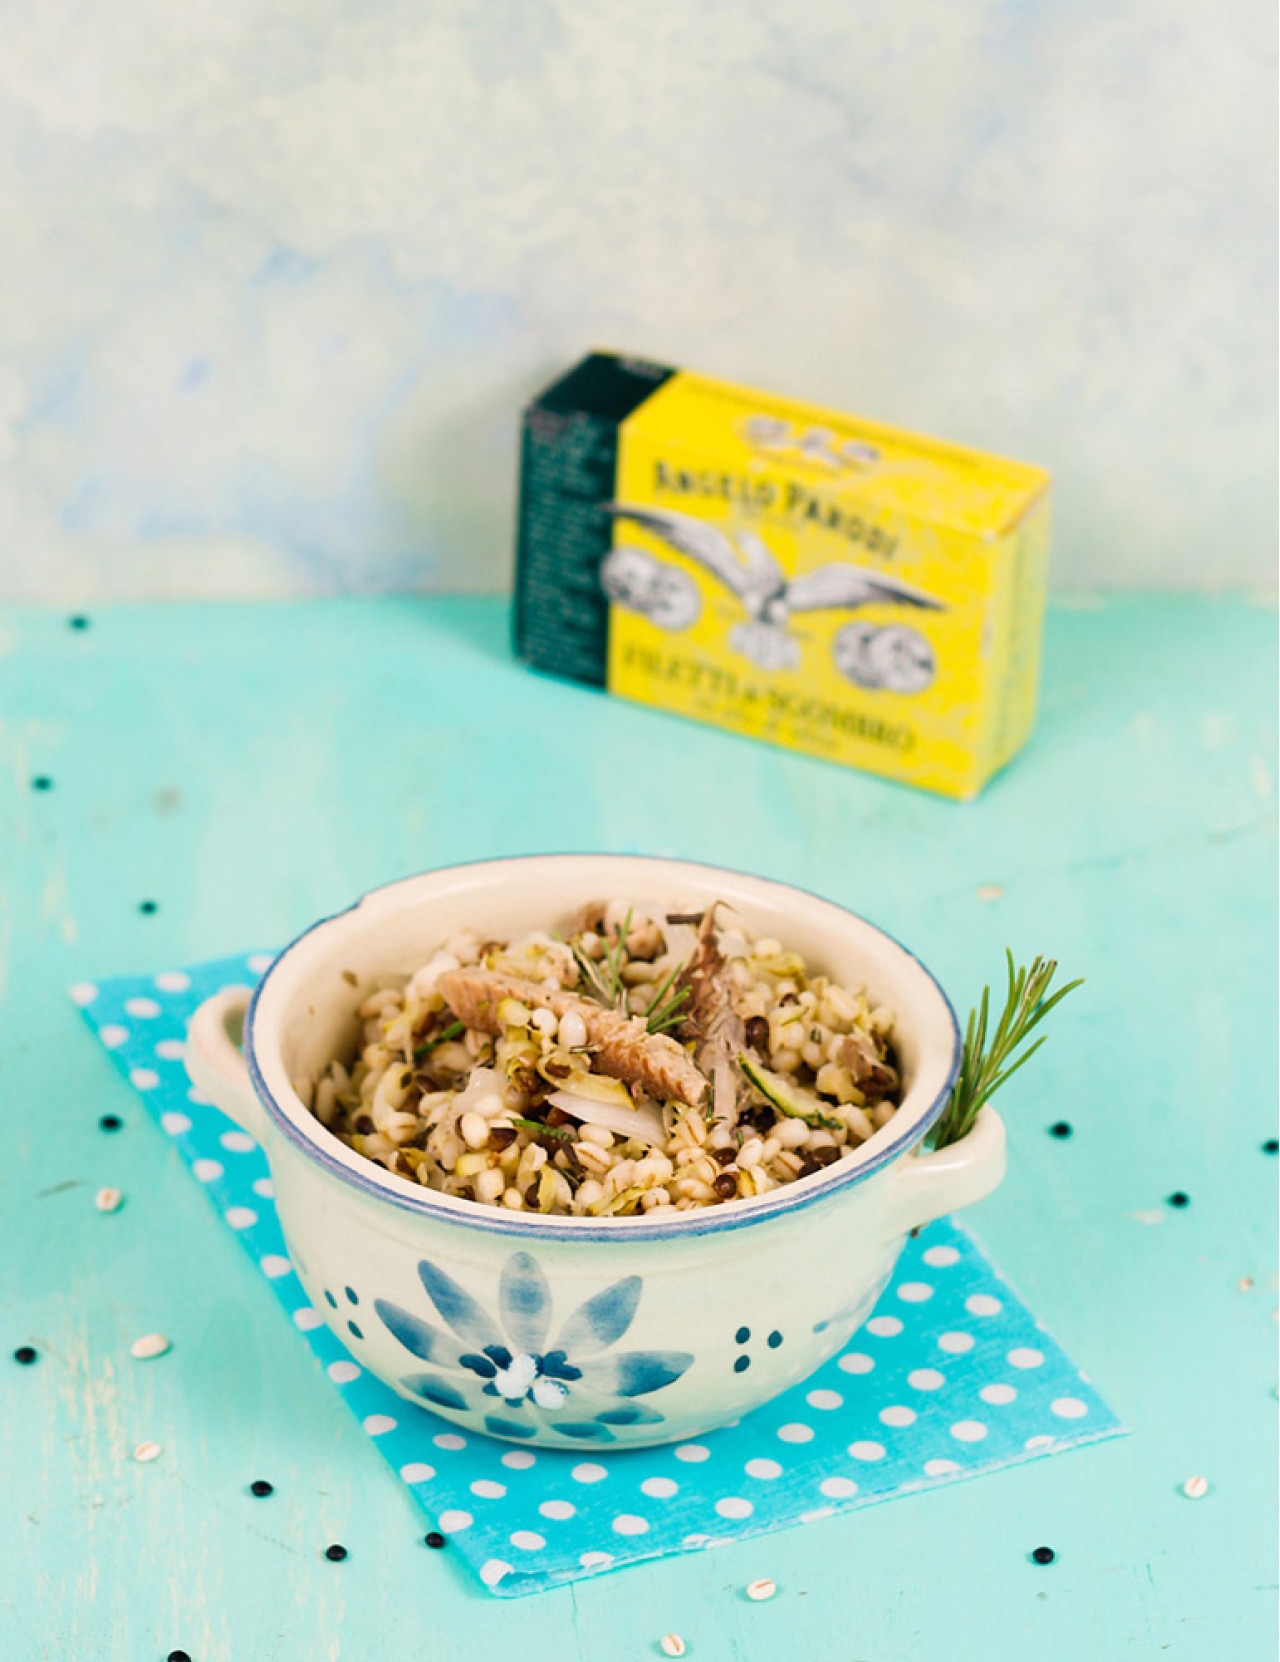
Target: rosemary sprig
{"x":450,"y":1032}
{"x":666,"y":1006}
{"x":539,"y":1129}
{"x":605,"y":984}
{"x":986,"y":1065}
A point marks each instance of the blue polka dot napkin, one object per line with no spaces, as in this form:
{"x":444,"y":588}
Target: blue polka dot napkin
{"x":951,"y":1377}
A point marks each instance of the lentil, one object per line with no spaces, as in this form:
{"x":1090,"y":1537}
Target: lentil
{"x":1044,"y":1555}
{"x":762,"y":1589}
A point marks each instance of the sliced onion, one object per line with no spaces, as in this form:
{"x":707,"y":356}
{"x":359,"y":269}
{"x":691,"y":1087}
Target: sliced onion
{"x":643,"y":1123}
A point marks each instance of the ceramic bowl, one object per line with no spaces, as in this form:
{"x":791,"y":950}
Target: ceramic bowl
{"x":582,"y":1331}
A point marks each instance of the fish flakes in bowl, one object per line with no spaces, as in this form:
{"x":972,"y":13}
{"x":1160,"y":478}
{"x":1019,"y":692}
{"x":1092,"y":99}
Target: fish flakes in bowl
{"x":630,"y":1061}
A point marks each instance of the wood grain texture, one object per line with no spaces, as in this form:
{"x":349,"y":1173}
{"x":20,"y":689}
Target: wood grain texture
{"x":249,"y":768}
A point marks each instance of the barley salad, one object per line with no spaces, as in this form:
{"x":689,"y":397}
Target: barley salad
{"x":630,"y":1062}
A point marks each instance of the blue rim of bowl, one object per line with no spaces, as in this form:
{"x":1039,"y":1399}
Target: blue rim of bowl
{"x":789,"y":1198}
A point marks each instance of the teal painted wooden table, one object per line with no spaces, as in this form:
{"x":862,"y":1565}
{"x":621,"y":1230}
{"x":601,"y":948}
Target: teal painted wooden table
{"x":248,"y":768}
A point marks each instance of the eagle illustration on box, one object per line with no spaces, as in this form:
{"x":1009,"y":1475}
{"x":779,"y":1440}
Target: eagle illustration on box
{"x":639,"y":581}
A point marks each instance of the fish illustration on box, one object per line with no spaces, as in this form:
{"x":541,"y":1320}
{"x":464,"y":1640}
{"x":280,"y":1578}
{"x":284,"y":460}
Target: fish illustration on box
{"x":742,"y":562}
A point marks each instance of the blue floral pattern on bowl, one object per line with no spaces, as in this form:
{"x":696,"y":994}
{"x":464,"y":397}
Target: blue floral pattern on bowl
{"x":508,"y":1356}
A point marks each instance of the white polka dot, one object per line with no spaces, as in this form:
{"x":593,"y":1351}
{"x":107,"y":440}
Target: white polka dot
{"x":453,"y":1520}
{"x":762,"y":1468}
{"x":342,"y":1373}
{"x":449,"y":1440}
{"x":112,"y":1036}
{"x":884,"y":1327}
{"x":915,"y":1292}
{"x":1025,"y":1357}
{"x":1039,"y":1442}
{"x":418,"y":1472}
{"x":144,"y":1079}
{"x":175,"y":1124}
{"x":867,"y":1451}
{"x":817,"y":1513}
{"x":589,"y":1472}
{"x":968,"y":1431}
{"x":240,"y":1217}
{"x":84,"y":992}
{"x":926,"y":1379}
{"x":941,"y":1257}
{"x":143,"y":1008}
{"x":263,"y":1186}
{"x":897,"y":1414}
{"x":274,"y":1266}
{"x":825,"y":1399}
{"x":982,"y":1304}
{"x":660,"y":1488}
{"x":205,"y":1171}
{"x":260,"y":962}
{"x":627,"y":1523}
{"x":528,"y":1540}
{"x":940,"y":1468}
{"x":692,"y":1453}
{"x":694,"y":1540}
{"x":172,"y":1050}
{"x":237,"y":1142}
{"x":519,"y":1459}
{"x":855,"y":1362}
{"x":733,"y":1506}
{"x":837,"y":1488}
{"x":493,"y":1570}
{"x":596,"y":1560}
{"x":557,"y":1510}
{"x":1069,"y":1408}
{"x":998,"y":1395}
{"x":955,"y":1343}
{"x":487,"y":1489}
{"x":172,"y":981}
{"x":795,"y":1433}
{"x":377,"y":1425}
{"x":308,"y":1318}
{"x":199,"y":1098}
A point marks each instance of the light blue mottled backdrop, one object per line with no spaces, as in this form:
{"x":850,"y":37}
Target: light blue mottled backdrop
{"x":277,"y":274}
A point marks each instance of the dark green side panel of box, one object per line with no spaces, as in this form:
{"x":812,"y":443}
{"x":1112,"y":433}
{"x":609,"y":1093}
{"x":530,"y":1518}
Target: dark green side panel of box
{"x":568,"y":463}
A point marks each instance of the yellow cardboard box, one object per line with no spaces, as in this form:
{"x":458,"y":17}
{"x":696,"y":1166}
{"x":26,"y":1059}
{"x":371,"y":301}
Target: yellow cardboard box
{"x":829,"y":584}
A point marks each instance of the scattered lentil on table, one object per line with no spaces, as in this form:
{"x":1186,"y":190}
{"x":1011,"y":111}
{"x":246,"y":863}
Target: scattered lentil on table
{"x":110,"y":1122}
{"x":761,"y":1589}
{"x":1044,"y":1555}
{"x":1196,"y":1488}
{"x":335,"y":1553}
{"x":261,"y":1488}
{"x":108,"y":1200}
{"x":25,"y":1354}
{"x":1179,"y":1200}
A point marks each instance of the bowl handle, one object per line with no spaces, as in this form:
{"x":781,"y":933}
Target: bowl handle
{"x":947,"y":1179}
{"x":214,"y":1061}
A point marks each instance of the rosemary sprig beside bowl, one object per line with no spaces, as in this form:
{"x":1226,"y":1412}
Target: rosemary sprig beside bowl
{"x":986,"y":1064}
